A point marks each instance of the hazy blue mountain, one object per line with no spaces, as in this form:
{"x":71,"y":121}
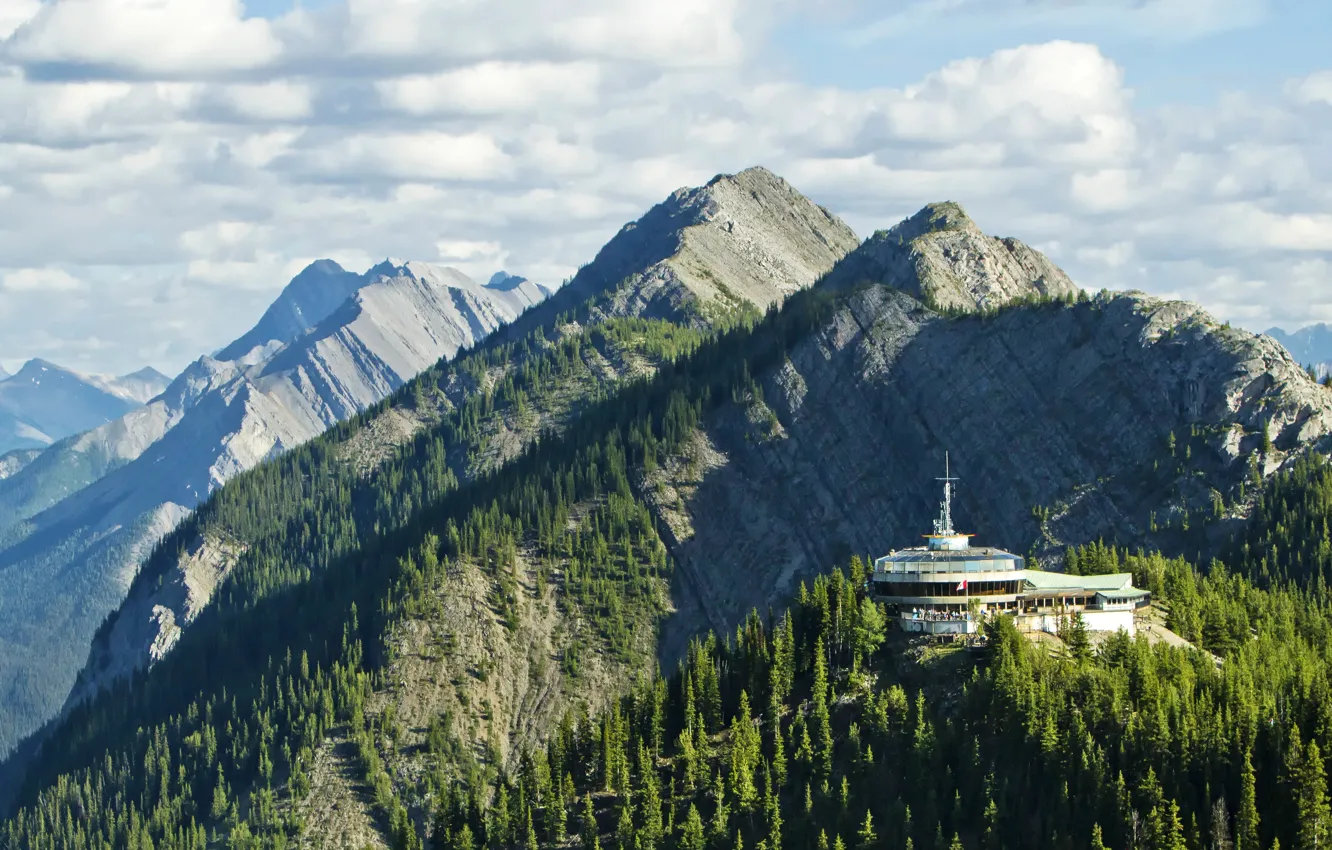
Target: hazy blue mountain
{"x":43,"y":402}
{"x":1310,"y":345}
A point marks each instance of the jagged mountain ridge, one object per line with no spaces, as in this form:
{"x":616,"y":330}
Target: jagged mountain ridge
{"x":802,"y":245}
{"x":43,"y":402}
{"x":89,"y":513}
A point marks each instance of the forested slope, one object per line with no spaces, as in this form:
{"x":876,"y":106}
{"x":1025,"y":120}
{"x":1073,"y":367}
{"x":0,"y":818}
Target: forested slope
{"x":403,"y":620}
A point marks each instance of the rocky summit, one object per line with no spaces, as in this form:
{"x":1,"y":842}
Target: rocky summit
{"x":742,"y":240}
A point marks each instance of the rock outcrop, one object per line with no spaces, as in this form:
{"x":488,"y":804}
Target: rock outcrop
{"x":1310,"y":346}
{"x":940,"y":256}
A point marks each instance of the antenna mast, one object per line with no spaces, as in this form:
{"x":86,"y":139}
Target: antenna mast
{"x":944,"y":524}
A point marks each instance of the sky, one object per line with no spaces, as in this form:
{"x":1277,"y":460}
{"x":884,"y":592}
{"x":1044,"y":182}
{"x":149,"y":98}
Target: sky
{"x":166,"y":166}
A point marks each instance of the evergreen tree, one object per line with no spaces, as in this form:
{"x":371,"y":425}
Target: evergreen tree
{"x":1315,"y":818}
{"x":691,"y":837}
{"x":1246,"y":832}
{"x":866,"y":838}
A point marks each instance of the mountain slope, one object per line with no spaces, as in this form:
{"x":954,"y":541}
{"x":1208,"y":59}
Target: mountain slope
{"x":85,"y":518}
{"x":44,"y":402}
{"x":739,"y":469}
{"x":151,"y":619}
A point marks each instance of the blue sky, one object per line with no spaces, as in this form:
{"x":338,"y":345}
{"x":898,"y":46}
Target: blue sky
{"x":165,"y":168}
{"x":1258,"y":49}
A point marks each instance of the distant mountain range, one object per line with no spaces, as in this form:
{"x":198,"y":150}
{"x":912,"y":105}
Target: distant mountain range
{"x":1310,"y":345}
{"x":44,"y":402}
{"x":77,"y":519}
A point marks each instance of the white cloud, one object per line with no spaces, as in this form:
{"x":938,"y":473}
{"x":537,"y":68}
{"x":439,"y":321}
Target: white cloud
{"x":278,"y":101}
{"x":1315,"y":88}
{"x":1164,"y":21}
{"x":494,"y":88}
{"x":14,"y":13}
{"x":424,"y":155}
{"x":144,"y":37}
{"x":476,"y":259}
{"x":40,"y":281}
{"x":1114,"y":256}
{"x":183,"y":166}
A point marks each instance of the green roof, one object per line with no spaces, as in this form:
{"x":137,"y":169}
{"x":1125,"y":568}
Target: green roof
{"x":1042,"y":580}
{"x":1125,"y":594}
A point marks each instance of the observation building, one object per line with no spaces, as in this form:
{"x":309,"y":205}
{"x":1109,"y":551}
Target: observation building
{"x":947,"y":585}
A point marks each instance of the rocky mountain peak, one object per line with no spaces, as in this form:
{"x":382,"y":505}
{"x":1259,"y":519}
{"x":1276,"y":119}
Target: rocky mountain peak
{"x":938,"y":217}
{"x":36,"y":367}
{"x":502,"y":280}
{"x":308,"y":299}
{"x":745,"y":239}
{"x":941,"y":257}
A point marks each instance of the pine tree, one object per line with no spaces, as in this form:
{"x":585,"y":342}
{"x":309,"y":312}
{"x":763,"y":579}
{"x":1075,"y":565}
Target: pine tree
{"x":1097,"y":843}
{"x":1246,"y":832}
{"x":775,"y":733}
{"x":865,"y":838}
{"x":1079,"y":643}
{"x":591,"y":837}
{"x":220,"y":802}
{"x":1315,"y":817}
{"x":691,"y":836}
{"x":624,"y":828}
{"x":822,"y":722}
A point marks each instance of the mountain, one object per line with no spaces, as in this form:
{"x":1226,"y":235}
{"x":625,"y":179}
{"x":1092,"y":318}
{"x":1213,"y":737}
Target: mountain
{"x":83,"y":515}
{"x":383,"y":621}
{"x":1310,"y":345}
{"x":3,"y":373}
{"x":44,"y":402}
{"x":801,"y":244}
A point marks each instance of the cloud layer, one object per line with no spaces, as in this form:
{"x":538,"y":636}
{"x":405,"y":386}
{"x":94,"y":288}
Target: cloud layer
{"x":166,"y":165}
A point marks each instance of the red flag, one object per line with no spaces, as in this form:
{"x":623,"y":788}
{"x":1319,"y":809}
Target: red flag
{"x":962,"y":585}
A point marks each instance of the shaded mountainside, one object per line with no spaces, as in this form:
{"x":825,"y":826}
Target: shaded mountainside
{"x":430,"y":587}
{"x":79,"y":520}
{"x":1058,"y":418}
{"x":43,"y":402}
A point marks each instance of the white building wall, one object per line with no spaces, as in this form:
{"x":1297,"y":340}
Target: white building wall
{"x":1097,"y":621}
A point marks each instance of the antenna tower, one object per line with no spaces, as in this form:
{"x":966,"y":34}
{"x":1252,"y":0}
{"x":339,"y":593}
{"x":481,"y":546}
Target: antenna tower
{"x":943,"y":526}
